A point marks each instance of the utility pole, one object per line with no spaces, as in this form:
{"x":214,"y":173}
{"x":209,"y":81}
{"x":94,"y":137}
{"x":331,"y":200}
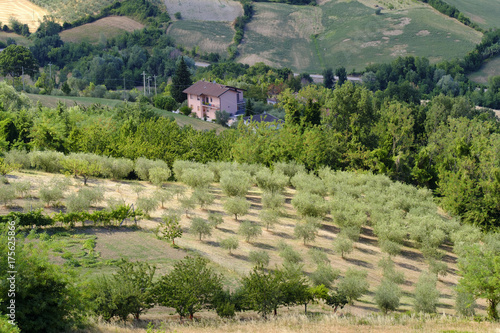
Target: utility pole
{"x":144,"y":79}
{"x":22,"y":68}
{"x":149,"y":85}
{"x":155,"y":83}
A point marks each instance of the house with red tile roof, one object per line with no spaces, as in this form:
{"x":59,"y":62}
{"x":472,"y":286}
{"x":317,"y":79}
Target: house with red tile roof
{"x":205,"y":98}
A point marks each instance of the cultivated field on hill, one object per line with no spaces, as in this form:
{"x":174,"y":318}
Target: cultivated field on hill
{"x":24,"y":11}
{"x":207,"y":35}
{"x":349,"y":34}
{"x":484,"y":12}
{"x":64,"y":10}
{"x":490,"y":68}
{"x":205,"y":10}
{"x":100,"y":30}
{"x":20,"y":40}
{"x":112,"y":243}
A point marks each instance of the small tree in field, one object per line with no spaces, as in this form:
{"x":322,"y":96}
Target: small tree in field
{"x":289,"y":169}
{"x":308,"y":204}
{"x":354,"y":284}
{"x":269,"y":181}
{"x":288,"y":254}
{"x":197,"y":178}
{"x":387,"y":296}
{"x":324,"y":275}
{"x":163,"y":196}
{"x":306,"y":230}
{"x":202,"y":197}
{"x":159,"y":176}
{"x":200,"y":227}
{"x":235,"y":183}
{"x":268,"y":217}
{"x":318,"y":256}
{"x":215,"y":219}
{"x":259,"y":258}
{"x":273,"y":201}
{"x":187,"y":204}
{"x":426,"y":295}
{"x":230,"y":243}
{"x":249,"y":230}
{"x":172,"y":228}
{"x":236,"y":206}
{"x":343,"y":245}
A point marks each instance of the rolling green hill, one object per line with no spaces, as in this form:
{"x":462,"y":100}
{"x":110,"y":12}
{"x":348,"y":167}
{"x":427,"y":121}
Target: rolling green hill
{"x":484,"y":12}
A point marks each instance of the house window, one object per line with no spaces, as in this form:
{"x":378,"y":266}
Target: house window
{"x":198,"y":97}
{"x":210,"y":99}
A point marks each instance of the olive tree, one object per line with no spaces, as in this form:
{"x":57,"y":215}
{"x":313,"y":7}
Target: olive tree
{"x":387,"y":296}
{"x":236,"y":206}
{"x":230,"y":243}
{"x":259,"y":258}
{"x":354,"y":284}
{"x":235,"y":183}
{"x":269,"y":181}
{"x":200,"y":227}
{"x":426,"y":295}
{"x":249,"y":230}
{"x":307,"y":230}
{"x":308,"y":204}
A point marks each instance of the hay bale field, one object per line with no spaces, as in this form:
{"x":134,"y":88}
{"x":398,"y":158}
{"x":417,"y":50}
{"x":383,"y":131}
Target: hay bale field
{"x":104,"y":28}
{"x":205,"y":10}
{"x":22,"y":10}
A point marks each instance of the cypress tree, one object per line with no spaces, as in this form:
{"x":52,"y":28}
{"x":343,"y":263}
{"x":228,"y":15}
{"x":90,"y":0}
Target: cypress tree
{"x":180,"y":81}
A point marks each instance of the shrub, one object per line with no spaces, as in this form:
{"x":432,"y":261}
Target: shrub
{"x":354,"y":284}
{"x":200,"y":227}
{"x":197,"y":178}
{"x":77,"y":203}
{"x":235,"y":183}
{"x":268,"y":181}
{"x":202,"y":197}
{"x":308,"y":204}
{"x":147,"y":204}
{"x":236,"y":206}
{"x":289,"y":169}
{"x":465,"y":304}
{"x":249,"y":230}
{"x":268,"y":217}
{"x":172,"y":228}
{"x":324,"y":275}
{"x":387,"y":296}
{"x":48,"y":161}
{"x":84,"y":165}
{"x":54,"y":192}
{"x":7,"y":194}
{"x":185,"y":110}
{"x":143,"y":165}
{"x":187,"y":204}
{"x":390,"y":272}
{"x":289,"y":255}
{"x":215,"y":219}
{"x":259,"y":258}
{"x":305,"y":182}
{"x":179,"y":166}
{"x":93,"y":195}
{"x":230,"y":243}
{"x":306,"y":230}
{"x":22,"y":188}
{"x":426,"y":295}
{"x":17,"y":157}
{"x":159,"y":176}
{"x":343,"y":245}
{"x":117,"y":168}
{"x":273,"y":201}
{"x":218,"y":167}
{"x":318,"y":256}
{"x":163,"y":196}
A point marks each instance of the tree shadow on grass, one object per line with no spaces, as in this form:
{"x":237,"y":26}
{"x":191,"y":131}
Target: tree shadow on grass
{"x":281,"y":234}
{"x":408,"y":266}
{"x":367,"y":251}
{"x":239,"y":256}
{"x":358,"y":262}
{"x":263,"y":246}
{"x":226,"y":230}
{"x":212,"y":243}
{"x":330,"y":228}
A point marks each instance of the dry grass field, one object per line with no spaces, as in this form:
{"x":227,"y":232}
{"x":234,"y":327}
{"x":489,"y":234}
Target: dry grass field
{"x":209,"y":36}
{"x":24,"y":11}
{"x":100,"y":30}
{"x":205,"y":10}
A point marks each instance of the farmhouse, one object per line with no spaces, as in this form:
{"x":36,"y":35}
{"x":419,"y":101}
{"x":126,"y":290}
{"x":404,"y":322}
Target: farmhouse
{"x":205,"y":98}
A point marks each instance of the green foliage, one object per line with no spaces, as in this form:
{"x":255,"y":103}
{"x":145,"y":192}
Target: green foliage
{"x":262,"y":292}
{"x":48,"y":161}
{"x":202,"y":197}
{"x":268,"y":217}
{"x":465,"y":304}
{"x":61,"y":308}
{"x":17,"y":157}
{"x":190,"y":287}
{"x":354,"y":284}
{"x":235,"y":183}
{"x":158,"y":176}
{"x":426,"y":295}
{"x":6,"y":326}
{"x":324,"y":275}
{"x":236,"y":206}
{"x":22,"y":188}
{"x":273,"y":202}
{"x":288,"y":254}
{"x":269,"y":181}
{"x":230,"y":243}
{"x":147,"y":204}
{"x":305,"y":182}
{"x":128,"y":291}
{"x":29,"y":219}
{"x":197,"y":177}
{"x":144,"y":165}
{"x":171,"y":228}
{"x":306,"y":230}
{"x":390,"y":273}
{"x":162,"y":196}
{"x":387,"y":296}
{"x":200,"y":227}
{"x":308,"y":204}
{"x":249,"y":230}
{"x":83,"y":165}
{"x":7,"y":194}
{"x":16,"y":57}
{"x":343,"y":245}
{"x":180,"y":81}
{"x":53,"y":193}
{"x":289,"y":169}
{"x":215,"y":219}
{"x":259,"y":258}
{"x":318,"y":256}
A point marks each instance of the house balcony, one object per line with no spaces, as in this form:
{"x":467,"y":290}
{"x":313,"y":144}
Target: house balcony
{"x":210,"y":105}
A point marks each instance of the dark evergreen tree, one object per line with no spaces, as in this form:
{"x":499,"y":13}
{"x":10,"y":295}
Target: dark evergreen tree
{"x":342,"y":75}
{"x":249,"y":108}
{"x":312,"y":113}
{"x":328,"y":78}
{"x":180,"y":81}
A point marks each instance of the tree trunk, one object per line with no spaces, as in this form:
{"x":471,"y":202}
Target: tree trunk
{"x":191,"y":316}
{"x":305,"y":308}
{"x":275,"y":312}
{"x":492,"y":309}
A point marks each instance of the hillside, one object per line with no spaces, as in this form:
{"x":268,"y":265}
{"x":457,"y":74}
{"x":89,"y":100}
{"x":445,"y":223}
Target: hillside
{"x":68,"y":11}
{"x":24,"y":11}
{"x":100,"y":30}
{"x":483,"y":12}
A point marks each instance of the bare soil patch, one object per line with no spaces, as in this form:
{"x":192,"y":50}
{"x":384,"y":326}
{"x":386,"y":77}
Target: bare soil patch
{"x":423,"y":33}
